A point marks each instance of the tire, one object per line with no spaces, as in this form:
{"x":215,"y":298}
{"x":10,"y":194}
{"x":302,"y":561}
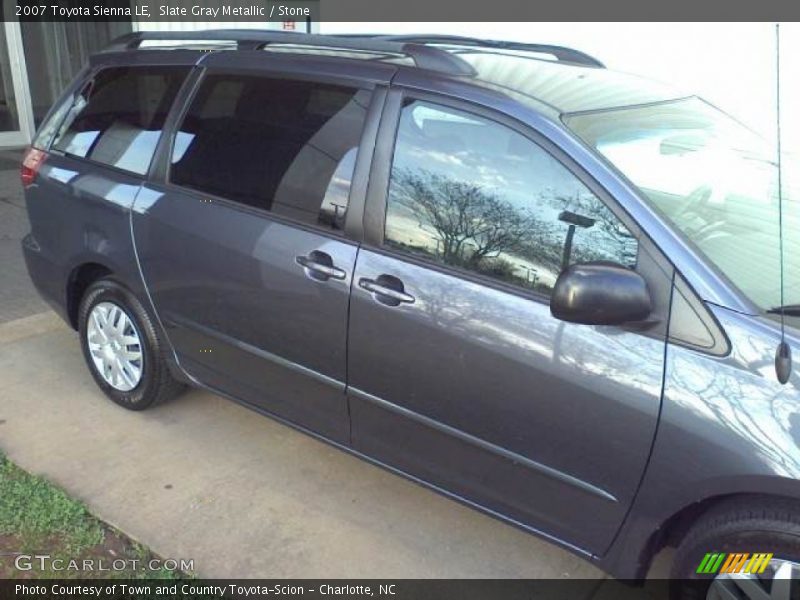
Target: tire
{"x":747,"y":525}
{"x":154,"y":383}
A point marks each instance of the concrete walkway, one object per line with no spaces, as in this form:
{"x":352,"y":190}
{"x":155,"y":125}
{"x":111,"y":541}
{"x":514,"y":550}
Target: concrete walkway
{"x":17,"y":295}
{"x":205,"y":479}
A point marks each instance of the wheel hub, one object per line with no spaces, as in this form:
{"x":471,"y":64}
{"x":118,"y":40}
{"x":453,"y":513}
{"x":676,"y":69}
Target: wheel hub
{"x":115,"y":346}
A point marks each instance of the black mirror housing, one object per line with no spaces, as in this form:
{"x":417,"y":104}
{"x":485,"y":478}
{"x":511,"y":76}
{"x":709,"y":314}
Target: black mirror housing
{"x":600,"y":293}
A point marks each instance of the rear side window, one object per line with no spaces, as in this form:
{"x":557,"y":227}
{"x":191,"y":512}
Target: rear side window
{"x":117,"y":117}
{"x":288,"y":147}
{"x":50,"y":127}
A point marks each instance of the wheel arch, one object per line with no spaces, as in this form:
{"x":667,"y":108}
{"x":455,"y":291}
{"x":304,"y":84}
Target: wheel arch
{"x":674,"y":529}
{"x":79,"y":279}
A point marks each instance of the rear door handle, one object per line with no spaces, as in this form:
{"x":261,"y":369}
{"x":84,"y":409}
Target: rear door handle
{"x":319,"y":266}
{"x":386,"y":289}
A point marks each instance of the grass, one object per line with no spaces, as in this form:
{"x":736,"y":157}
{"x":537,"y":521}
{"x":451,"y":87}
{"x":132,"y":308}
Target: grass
{"x":38,"y":518}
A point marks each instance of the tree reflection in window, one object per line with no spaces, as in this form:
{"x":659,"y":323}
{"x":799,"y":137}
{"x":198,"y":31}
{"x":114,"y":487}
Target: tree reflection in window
{"x":476,"y":195}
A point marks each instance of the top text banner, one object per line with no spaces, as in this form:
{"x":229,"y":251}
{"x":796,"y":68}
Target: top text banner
{"x":245,"y":11}
{"x":254,"y":11}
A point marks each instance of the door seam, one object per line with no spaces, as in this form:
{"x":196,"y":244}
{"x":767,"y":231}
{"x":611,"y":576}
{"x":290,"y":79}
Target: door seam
{"x":347,"y":350}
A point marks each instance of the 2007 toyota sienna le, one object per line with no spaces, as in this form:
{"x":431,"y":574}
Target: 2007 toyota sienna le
{"x":543,"y":288}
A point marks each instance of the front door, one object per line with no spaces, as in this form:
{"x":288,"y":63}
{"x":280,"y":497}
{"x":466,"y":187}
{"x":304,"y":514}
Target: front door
{"x":458,"y":373}
{"x":243,"y":247}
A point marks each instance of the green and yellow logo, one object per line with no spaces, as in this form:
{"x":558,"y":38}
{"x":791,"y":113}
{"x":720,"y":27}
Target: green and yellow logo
{"x":721,"y":562}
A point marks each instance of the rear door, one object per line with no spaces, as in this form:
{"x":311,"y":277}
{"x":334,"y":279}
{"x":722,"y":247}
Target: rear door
{"x":242,"y":239}
{"x":458,"y":373}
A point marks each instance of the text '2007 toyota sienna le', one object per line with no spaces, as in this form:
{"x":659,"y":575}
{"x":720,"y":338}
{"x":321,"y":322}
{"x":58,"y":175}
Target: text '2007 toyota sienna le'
{"x":543,"y":288}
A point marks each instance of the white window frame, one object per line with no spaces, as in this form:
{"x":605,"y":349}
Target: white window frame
{"x":22,"y":93}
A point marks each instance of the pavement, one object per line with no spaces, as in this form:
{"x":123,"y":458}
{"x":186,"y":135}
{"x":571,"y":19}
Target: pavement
{"x":17,"y":296}
{"x":203,"y":478}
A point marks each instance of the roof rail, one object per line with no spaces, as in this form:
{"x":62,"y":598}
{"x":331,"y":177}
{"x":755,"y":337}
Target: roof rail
{"x":561,"y":53}
{"x":426,"y":57}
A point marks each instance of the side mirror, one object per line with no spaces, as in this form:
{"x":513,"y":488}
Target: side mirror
{"x":600,"y":293}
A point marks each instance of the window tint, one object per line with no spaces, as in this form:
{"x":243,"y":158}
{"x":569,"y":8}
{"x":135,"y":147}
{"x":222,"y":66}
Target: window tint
{"x":117,"y":117}
{"x":474,"y":194}
{"x":284,"y":146}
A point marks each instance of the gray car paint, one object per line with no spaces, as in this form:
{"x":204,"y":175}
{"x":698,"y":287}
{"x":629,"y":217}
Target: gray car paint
{"x":263,"y":331}
{"x":485,"y":393}
{"x":725,"y":426}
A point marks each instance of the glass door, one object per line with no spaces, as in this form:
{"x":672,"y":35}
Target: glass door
{"x":16,"y":118}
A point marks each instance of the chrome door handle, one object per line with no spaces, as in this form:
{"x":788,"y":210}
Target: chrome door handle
{"x":319,"y":266}
{"x":386,"y":289}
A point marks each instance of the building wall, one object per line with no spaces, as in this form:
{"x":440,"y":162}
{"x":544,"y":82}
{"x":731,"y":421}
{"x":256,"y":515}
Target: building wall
{"x":206,"y":25}
{"x":730,"y":64}
{"x":56,"y":51}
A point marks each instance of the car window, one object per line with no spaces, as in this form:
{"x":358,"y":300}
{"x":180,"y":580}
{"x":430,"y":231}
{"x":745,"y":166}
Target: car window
{"x":117,"y":117}
{"x":474,"y":194}
{"x":50,"y":127}
{"x":716,"y":182}
{"x":288,"y":147}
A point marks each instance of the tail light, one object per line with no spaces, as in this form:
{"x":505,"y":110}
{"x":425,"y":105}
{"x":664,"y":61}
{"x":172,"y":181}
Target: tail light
{"x":30,"y":165}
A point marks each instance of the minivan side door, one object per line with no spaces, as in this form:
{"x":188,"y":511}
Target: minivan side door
{"x":458,"y":373}
{"x":242,"y":239}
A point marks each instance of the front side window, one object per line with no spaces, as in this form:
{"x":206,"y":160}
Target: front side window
{"x":288,"y":147}
{"x":117,"y":117}
{"x":477,"y":195}
{"x":715,"y":180}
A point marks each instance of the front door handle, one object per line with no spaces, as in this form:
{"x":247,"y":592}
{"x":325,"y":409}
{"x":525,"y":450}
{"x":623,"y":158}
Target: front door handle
{"x":319,"y":266}
{"x":387,"y":290}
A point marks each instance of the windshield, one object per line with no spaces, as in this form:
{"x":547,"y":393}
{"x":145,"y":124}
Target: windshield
{"x":715,"y":180}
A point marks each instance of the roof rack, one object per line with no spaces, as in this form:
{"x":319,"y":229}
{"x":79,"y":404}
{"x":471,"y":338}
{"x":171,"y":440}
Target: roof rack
{"x":561,"y":53}
{"x":426,"y":57}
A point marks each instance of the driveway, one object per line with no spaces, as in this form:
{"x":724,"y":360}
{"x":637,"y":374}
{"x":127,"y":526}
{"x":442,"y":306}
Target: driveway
{"x":17,"y":296}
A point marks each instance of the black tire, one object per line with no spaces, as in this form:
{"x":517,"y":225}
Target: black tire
{"x":156,"y":384}
{"x":745,"y":525}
